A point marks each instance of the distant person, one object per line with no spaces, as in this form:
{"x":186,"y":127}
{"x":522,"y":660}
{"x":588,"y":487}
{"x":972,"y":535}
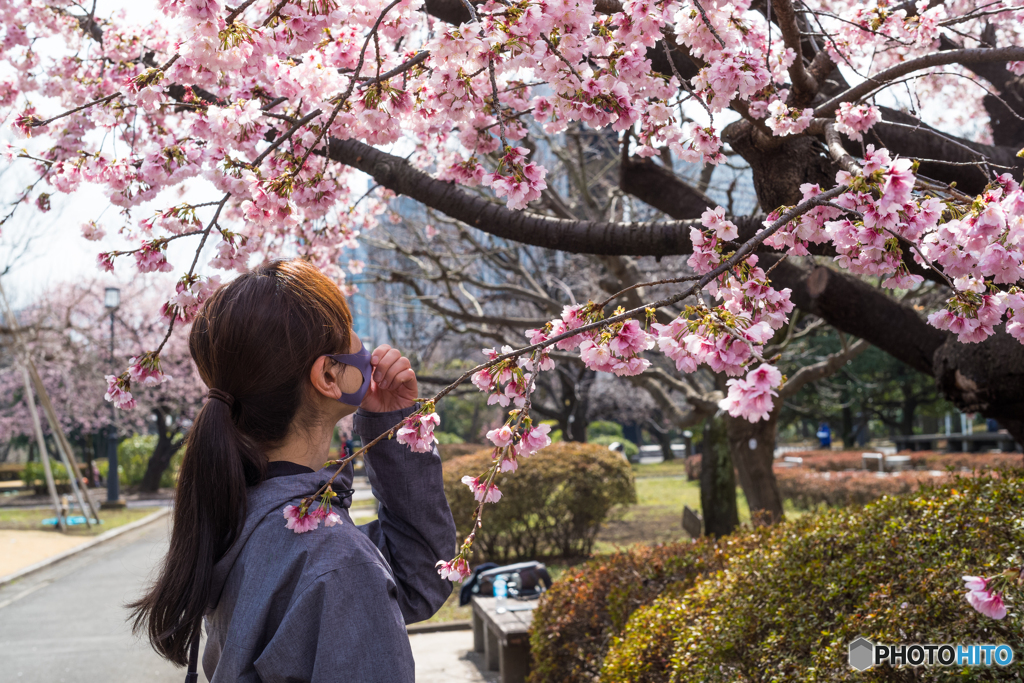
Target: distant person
{"x":824,"y":436}
{"x":276,"y":347}
{"x":992,"y":425}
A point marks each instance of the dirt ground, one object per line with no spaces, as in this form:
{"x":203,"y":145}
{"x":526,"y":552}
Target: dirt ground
{"x":19,"y":549}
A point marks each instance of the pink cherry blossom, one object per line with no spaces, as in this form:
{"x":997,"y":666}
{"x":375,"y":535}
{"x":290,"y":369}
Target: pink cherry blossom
{"x":145,"y":370}
{"x":855,"y":119}
{"x":454,"y":570}
{"x":118,"y":392}
{"x":982,"y":599}
{"x":501,"y":436}
{"x":417,"y":432}
{"x":534,"y":439}
{"x":299,"y":523}
{"x":481,"y":491}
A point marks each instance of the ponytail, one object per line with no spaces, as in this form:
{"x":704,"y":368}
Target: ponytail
{"x":209,"y":511}
{"x":254,"y":343}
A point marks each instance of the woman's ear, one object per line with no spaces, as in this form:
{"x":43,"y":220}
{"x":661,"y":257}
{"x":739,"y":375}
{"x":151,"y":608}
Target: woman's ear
{"x":332,"y":379}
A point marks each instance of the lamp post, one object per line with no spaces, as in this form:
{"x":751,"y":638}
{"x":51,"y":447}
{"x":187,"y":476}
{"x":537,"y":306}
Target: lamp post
{"x":111,"y":300}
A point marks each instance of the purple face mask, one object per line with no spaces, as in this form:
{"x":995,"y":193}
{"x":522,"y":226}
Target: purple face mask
{"x":361,"y":362}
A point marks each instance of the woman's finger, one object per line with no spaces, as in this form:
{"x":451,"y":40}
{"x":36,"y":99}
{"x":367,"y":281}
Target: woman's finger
{"x":398,"y":366}
{"x":405,"y":377}
{"x":384,"y":365}
{"x":378,"y":353}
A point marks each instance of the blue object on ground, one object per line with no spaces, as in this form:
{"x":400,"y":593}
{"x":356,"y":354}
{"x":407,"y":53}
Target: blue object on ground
{"x":824,"y":435}
{"x":70,"y":521}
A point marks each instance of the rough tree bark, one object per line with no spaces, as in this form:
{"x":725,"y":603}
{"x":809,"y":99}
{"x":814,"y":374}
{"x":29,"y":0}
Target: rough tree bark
{"x":752,"y":445}
{"x":717,"y":480}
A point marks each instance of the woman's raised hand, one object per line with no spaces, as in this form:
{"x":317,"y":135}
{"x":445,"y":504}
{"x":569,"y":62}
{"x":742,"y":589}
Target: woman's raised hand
{"x":393,"y":385}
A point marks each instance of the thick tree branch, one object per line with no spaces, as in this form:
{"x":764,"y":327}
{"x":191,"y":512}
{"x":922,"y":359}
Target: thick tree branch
{"x":661,"y":188}
{"x":964,"y":57}
{"x":575,"y":236}
{"x":804,"y":84}
{"x":823,"y":368}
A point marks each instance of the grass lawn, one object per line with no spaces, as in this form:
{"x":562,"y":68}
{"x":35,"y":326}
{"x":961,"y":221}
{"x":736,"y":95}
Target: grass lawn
{"x":33,"y":520}
{"x":669,"y":468}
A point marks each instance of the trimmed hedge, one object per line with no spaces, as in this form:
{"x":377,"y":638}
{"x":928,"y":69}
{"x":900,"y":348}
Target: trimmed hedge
{"x":552,"y":506}
{"x":809,"y":489}
{"x":590,"y":604}
{"x":837,"y":461}
{"x":787,"y":606}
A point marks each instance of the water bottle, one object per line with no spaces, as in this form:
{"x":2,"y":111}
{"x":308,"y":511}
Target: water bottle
{"x":500,"y":594}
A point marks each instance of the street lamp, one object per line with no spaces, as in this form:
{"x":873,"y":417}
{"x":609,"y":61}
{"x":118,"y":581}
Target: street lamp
{"x":111,"y":300}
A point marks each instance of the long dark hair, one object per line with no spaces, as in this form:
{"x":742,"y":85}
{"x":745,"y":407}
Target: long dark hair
{"x":256,"y":339}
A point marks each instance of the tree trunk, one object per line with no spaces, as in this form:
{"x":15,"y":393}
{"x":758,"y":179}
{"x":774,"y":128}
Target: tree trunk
{"x":166,"y":447}
{"x":752,"y":446}
{"x":848,"y":430}
{"x":717,"y":480}
{"x":576,"y":398}
{"x":664,"y":438}
{"x":907,"y":415}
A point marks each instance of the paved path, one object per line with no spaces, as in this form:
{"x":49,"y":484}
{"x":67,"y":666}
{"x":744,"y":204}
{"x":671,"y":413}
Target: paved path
{"x":67,"y":624}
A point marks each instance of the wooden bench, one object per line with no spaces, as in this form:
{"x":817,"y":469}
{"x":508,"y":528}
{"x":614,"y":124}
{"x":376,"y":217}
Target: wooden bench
{"x":504,"y":638}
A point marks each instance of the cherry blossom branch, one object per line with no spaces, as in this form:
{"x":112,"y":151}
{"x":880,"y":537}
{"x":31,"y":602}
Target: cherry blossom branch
{"x":285,"y":137}
{"x":639,"y":312}
{"x":675,"y":280}
{"x":274,"y":13}
{"x":192,"y":268}
{"x":804,"y":85}
{"x":838,"y":152}
{"x":343,"y":100}
{"x":230,"y":18}
{"x":36,"y":122}
{"x":113,"y":96}
{"x":418,"y":59}
{"x":965,"y":57}
{"x":707,"y":22}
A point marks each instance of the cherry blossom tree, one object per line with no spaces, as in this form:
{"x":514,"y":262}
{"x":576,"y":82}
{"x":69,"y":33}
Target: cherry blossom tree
{"x":66,"y":332}
{"x":858,"y":122}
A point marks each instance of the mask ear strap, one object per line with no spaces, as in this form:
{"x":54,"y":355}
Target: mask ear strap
{"x":353,"y":360}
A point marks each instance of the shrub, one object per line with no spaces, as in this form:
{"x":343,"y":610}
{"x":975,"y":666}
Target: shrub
{"x":35,"y":476}
{"x":789,"y":604}
{"x":808,"y":489}
{"x":454,"y":450}
{"x":630,"y":448}
{"x":590,"y":604}
{"x":556,"y":433}
{"x":836,"y":461}
{"x":604,"y":428}
{"x":448,"y":438}
{"x":553,"y":506}
{"x":133,"y":457}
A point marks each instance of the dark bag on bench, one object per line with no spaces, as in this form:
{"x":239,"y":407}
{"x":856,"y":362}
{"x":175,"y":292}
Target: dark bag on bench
{"x":526,"y":581}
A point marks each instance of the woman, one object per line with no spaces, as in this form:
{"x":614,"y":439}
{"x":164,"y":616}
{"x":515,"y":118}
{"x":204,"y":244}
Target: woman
{"x":331,"y":604}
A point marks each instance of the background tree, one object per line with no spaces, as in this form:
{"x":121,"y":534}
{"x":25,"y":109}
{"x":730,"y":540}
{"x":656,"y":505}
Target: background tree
{"x":67,"y":334}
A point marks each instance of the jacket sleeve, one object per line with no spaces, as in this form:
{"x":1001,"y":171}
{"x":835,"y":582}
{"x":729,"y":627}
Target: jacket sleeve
{"x":339,"y":628}
{"x":414,"y":527}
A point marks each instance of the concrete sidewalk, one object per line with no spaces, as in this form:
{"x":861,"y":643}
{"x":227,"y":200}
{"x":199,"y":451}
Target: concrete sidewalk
{"x":66,"y":622}
{"x":448,"y":657}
